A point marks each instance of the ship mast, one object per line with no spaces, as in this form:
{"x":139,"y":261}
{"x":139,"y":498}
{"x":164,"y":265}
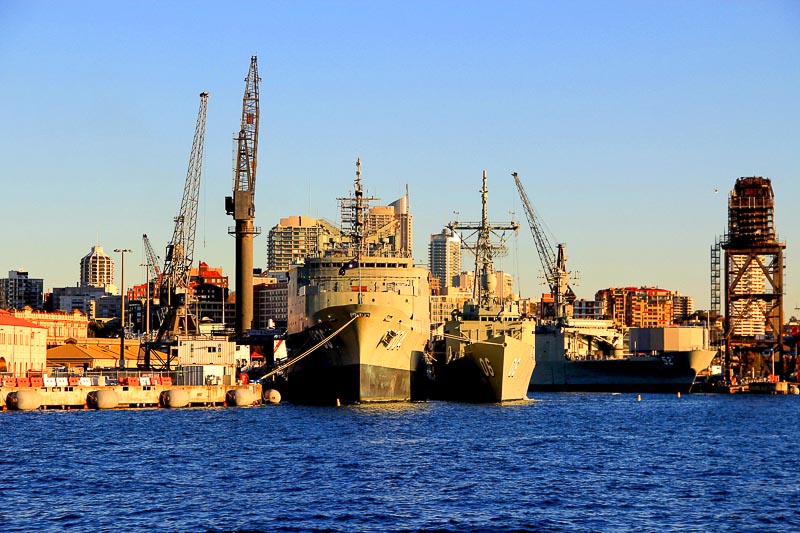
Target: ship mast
{"x":358,"y":230}
{"x":354,"y":214}
{"x":359,"y":226}
{"x":484,"y":249}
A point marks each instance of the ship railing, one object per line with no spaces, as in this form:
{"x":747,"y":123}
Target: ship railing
{"x":368,"y":284}
{"x":117,"y":376}
{"x":348,"y":253}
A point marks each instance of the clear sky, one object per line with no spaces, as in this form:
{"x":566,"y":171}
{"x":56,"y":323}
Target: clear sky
{"x":628,"y":123}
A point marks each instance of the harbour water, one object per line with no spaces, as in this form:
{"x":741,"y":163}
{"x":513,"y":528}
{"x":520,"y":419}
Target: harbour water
{"x":558,"y":462}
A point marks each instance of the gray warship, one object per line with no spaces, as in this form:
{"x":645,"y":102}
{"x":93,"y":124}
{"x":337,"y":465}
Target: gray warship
{"x":590,"y":354}
{"x":586,"y":355}
{"x":358,"y":316}
{"x":485,"y":352}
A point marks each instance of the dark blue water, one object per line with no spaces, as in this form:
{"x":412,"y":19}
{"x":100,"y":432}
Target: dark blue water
{"x":563,"y":462}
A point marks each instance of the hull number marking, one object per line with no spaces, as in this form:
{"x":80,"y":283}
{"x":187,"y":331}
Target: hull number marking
{"x":486,"y":366}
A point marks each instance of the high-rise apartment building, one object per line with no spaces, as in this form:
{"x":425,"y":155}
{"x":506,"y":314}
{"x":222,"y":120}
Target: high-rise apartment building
{"x":97,"y":269}
{"x":444,"y":259}
{"x":18,"y":291}
{"x":294,"y":238}
{"x":640,"y":307}
{"x":749,"y":312}
{"x":682,"y":307}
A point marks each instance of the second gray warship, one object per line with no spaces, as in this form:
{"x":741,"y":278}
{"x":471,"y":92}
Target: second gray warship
{"x":586,"y":355}
{"x":589,"y":354}
{"x":485,"y":353}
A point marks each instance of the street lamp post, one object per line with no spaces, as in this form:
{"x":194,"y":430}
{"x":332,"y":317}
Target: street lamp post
{"x":147,"y":302}
{"x":122,"y":313}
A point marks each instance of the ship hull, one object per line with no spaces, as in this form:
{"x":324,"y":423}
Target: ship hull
{"x":495,"y":370}
{"x":669,"y":372}
{"x":373,"y":359}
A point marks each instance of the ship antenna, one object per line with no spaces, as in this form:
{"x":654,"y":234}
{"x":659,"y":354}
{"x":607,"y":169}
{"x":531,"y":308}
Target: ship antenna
{"x":359,"y":219}
{"x":484,"y":249}
{"x":359,"y":229}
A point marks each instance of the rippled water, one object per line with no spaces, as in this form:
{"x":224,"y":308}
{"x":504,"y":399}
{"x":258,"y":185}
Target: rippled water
{"x":561,"y":462}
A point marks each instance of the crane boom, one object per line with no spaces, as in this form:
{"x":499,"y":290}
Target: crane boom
{"x":554,"y":264}
{"x":152,"y":259}
{"x":244,"y":178}
{"x":173,"y":281}
{"x":180,"y":250}
{"x":543,"y":246}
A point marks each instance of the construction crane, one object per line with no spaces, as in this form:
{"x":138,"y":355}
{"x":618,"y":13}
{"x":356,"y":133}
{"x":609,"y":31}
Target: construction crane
{"x":174,"y":280}
{"x":242,"y":204}
{"x":554,"y":263}
{"x":152,"y":261}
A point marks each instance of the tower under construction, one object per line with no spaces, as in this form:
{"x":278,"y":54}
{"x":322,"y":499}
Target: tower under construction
{"x":753,"y":282}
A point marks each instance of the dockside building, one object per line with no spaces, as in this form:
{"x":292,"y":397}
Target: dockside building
{"x":23,"y":346}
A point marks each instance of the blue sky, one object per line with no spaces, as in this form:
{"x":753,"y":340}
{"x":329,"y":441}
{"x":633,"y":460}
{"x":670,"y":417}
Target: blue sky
{"x":621,"y":118}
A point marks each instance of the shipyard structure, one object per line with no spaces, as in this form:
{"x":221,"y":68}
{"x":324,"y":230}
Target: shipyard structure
{"x":752,"y":279}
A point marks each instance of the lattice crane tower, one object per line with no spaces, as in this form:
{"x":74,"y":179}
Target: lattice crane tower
{"x":242,"y":204}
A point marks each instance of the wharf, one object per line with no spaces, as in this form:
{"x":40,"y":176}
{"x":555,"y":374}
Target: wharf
{"x":130,"y":396}
{"x":754,"y":387}
{"x":764,"y":387}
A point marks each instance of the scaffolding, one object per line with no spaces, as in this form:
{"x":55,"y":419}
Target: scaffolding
{"x":753,"y":282}
{"x":716,"y":274}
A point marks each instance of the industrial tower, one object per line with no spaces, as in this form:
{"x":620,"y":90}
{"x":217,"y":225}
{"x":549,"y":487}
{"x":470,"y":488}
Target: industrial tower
{"x":753,"y":282}
{"x":242,"y":204}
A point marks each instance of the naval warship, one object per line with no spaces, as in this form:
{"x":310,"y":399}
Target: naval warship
{"x":358,"y":312}
{"x":588,"y":355}
{"x":485,"y":352}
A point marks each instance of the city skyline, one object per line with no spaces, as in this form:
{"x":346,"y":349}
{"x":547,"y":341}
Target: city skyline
{"x":628,"y":124}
